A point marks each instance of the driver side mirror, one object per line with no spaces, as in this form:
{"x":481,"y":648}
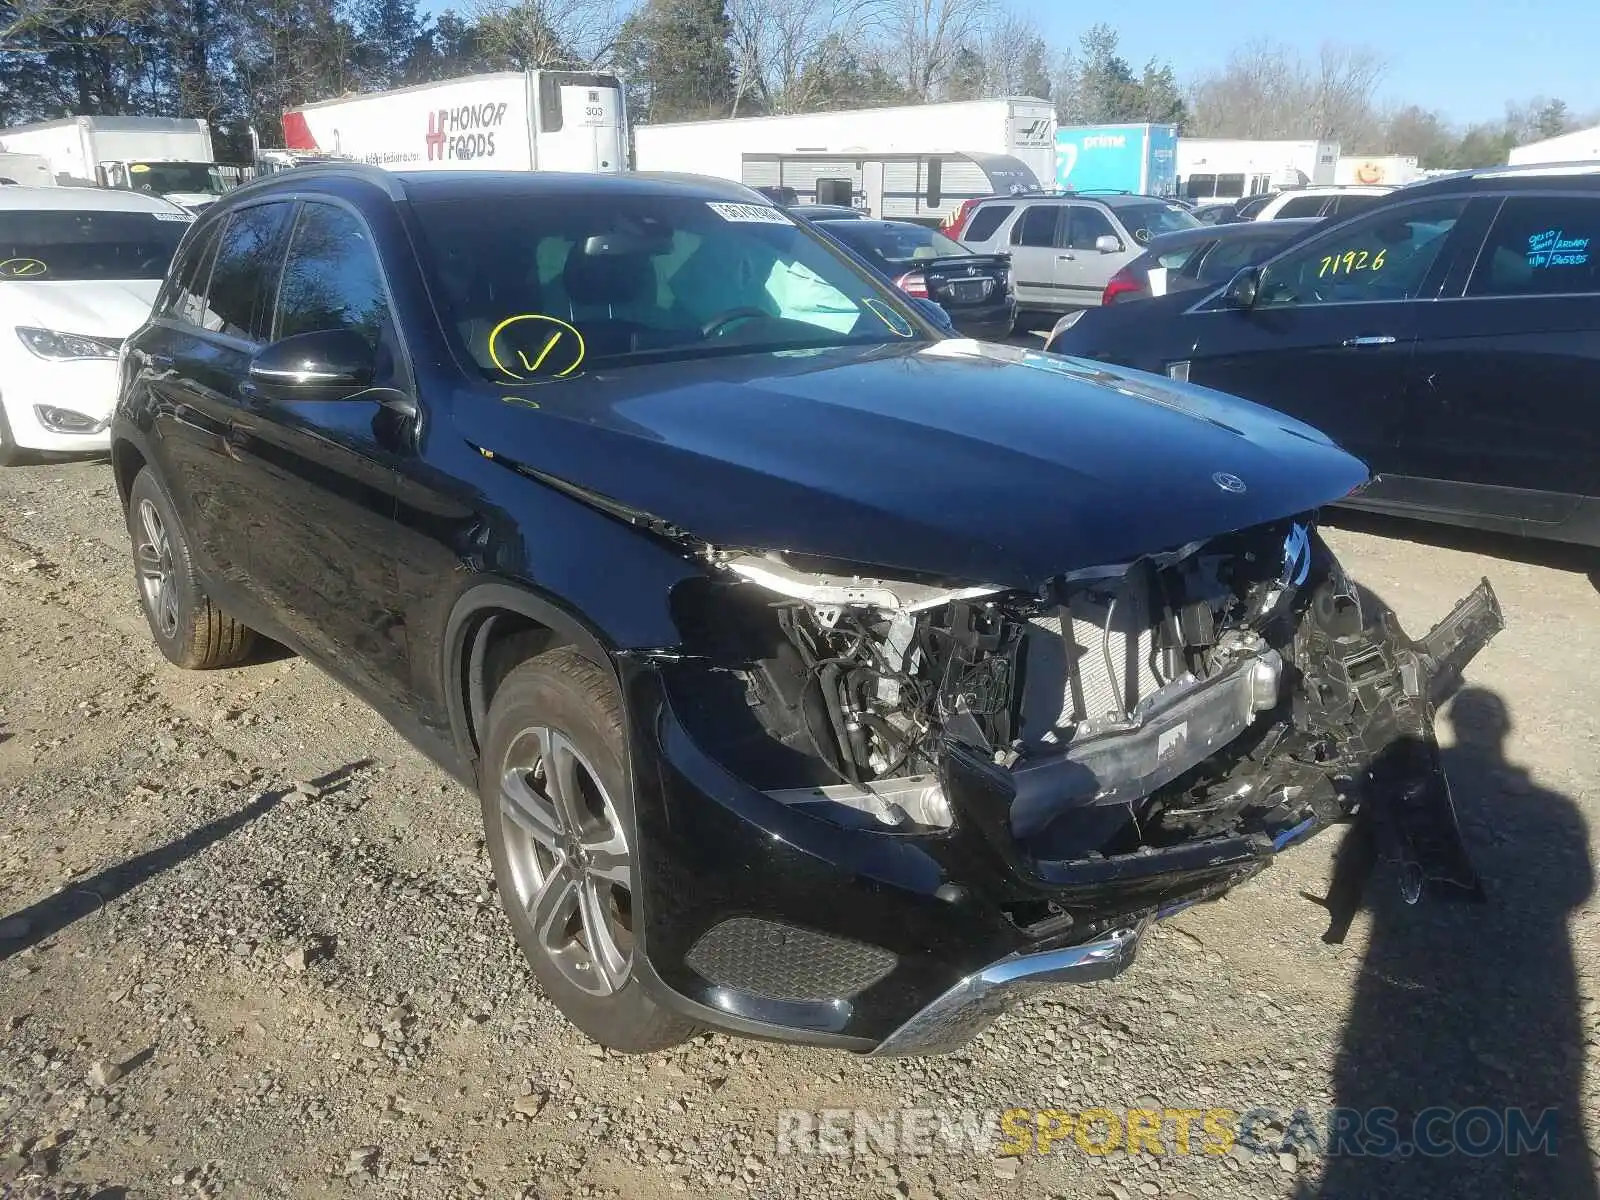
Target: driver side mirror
{"x":1243,"y":289}
{"x":327,"y":364}
{"x":1108,"y":243}
{"x":934,"y":312}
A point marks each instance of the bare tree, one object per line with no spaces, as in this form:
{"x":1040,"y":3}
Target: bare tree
{"x":1266,"y":90}
{"x":528,"y":34}
{"x":923,"y":37}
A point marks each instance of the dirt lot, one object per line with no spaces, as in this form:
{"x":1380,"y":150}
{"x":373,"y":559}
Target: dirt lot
{"x":213,"y":982}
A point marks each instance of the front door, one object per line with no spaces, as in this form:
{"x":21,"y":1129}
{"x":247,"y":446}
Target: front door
{"x":193,"y":360}
{"x":321,"y":554}
{"x":1082,"y":268}
{"x":1503,"y":400}
{"x":1330,"y":336}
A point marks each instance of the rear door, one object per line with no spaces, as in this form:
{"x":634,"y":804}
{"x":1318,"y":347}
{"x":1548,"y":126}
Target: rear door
{"x":1330,"y":336}
{"x":1503,"y":405}
{"x":1034,"y":248}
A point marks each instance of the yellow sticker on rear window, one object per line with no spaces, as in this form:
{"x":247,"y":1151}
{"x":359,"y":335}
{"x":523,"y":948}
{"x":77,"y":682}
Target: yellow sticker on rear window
{"x":139,"y":168}
{"x":22,"y":268}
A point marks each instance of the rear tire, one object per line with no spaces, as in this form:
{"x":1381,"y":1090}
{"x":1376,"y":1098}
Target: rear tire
{"x":190,"y":630}
{"x":562,"y":846}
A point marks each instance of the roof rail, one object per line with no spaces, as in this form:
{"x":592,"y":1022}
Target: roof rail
{"x":355,"y":170}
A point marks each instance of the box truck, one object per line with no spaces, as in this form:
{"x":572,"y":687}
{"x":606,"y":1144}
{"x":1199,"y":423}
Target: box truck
{"x":166,"y":156}
{"x":1017,"y":127}
{"x":1230,"y":168}
{"x":1395,"y":170}
{"x":505,"y":121}
{"x":1117,"y":158}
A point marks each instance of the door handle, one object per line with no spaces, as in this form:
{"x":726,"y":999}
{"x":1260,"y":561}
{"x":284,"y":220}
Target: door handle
{"x":158,"y":362}
{"x":1065,"y":258}
{"x":1377,"y":340}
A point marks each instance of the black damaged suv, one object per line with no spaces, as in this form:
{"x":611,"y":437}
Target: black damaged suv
{"x":821,"y":678}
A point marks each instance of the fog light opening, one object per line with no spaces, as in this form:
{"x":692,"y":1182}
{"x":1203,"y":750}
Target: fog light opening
{"x":65,"y":420}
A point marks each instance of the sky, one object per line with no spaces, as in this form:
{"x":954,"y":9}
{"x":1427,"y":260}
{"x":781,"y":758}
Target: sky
{"x":1465,"y":58}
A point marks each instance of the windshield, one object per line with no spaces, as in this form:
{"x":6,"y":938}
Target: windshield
{"x":163,"y":177}
{"x":537,"y":287}
{"x":896,"y":243}
{"x":1146,"y":221}
{"x":64,"y":244}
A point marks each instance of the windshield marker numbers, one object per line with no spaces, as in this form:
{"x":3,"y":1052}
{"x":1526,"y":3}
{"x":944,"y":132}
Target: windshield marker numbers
{"x":759,"y":214}
{"x":1351,"y":261}
{"x":532,"y":346}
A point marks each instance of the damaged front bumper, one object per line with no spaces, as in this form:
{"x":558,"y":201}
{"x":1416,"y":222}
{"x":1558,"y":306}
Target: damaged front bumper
{"x":759,"y":917}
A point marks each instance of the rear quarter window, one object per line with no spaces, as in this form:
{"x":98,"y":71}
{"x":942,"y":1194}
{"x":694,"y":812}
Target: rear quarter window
{"x":1540,"y":246}
{"x":987,"y":221}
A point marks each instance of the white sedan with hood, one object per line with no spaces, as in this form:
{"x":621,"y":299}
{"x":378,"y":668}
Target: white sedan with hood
{"x":79,"y":270}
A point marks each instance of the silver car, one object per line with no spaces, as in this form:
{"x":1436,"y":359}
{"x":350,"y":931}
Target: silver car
{"x":1065,"y":249}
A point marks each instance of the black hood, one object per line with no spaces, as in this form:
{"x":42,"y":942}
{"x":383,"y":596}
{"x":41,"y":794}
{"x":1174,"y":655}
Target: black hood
{"x":971,"y":462}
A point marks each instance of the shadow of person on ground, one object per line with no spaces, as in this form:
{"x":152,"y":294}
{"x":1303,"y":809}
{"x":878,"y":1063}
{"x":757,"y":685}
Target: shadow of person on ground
{"x":48,"y":917}
{"x":1474,"y":1006}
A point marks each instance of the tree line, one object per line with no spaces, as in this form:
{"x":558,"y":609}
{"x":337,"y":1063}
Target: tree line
{"x":240,"y":63}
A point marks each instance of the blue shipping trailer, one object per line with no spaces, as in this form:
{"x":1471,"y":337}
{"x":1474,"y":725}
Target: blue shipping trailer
{"x":1118,"y":158}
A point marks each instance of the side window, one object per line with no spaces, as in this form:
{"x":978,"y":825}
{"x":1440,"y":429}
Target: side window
{"x":1230,"y":186}
{"x":185,"y":296}
{"x":987,"y":219}
{"x":1541,"y":246}
{"x":1036,"y":226}
{"x":1383,"y":256}
{"x":1200,"y":187}
{"x":1086,"y":225}
{"x":1302,"y":206}
{"x":1348,"y":206}
{"x":1228,"y":258}
{"x":247,"y":261}
{"x":331,"y":277}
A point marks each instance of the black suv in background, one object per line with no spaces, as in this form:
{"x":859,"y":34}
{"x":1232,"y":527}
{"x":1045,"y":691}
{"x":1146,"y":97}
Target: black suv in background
{"x":1449,"y":336}
{"x":820,"y":677}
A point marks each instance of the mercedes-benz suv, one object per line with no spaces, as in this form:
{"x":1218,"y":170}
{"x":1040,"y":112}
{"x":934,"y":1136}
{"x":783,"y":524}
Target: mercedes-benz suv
{"x":820,"y":677}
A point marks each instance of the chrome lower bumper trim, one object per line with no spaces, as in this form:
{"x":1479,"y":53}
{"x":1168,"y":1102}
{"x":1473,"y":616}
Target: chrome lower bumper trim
{"x":968,"y":1006}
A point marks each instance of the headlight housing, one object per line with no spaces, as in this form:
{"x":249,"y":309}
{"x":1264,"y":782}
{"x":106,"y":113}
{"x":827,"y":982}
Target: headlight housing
{"x":56,"y":346}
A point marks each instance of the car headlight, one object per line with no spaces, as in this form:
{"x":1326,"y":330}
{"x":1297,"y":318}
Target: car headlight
{"x":57,"y":347}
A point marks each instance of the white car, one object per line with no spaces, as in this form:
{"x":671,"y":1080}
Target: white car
{"x":1321,"y":201}
{"x":79,"y":270}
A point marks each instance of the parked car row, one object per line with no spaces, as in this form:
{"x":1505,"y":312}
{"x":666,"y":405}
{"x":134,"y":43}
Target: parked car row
{"x":1448,"y":335}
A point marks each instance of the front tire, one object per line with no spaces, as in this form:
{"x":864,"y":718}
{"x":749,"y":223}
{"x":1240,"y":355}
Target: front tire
{"x":563,"y":851}
{"x":190,"y":630}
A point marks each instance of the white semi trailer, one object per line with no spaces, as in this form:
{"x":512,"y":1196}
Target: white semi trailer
{"x":506,"y":121}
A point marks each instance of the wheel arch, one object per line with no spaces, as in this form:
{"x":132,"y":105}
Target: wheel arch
{"x":127,"y":460}
{"x":492,"y":627}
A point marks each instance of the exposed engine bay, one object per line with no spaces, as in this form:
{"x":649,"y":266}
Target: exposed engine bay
{"x":1241,"y":686}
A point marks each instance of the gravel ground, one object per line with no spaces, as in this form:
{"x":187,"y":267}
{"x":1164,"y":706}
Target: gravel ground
{"x":249,"y":947}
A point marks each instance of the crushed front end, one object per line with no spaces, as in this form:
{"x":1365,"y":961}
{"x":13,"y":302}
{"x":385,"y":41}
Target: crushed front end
{"x":874,"y":810}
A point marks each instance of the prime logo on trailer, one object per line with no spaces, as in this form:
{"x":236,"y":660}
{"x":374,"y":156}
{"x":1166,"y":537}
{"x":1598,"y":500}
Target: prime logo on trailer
{"x":464,"y":132}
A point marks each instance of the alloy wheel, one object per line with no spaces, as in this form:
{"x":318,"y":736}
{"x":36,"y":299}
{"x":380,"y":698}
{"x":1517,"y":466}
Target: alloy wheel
{"x":154,"y":555}
{"x":568,"y":859}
